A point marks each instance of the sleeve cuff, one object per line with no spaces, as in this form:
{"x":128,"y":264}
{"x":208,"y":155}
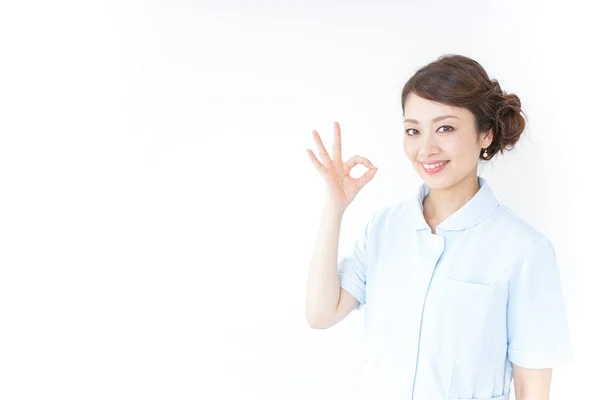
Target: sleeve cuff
{"x":354,"y":288}
{"x":536,"y":361}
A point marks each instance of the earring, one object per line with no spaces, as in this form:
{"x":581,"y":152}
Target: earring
{"x":485,"y":153}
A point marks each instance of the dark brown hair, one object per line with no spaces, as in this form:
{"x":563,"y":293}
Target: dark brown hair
{"x":460,"y":81}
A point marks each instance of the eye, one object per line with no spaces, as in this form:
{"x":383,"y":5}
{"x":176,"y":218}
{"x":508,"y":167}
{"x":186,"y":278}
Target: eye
{"x":407,"y":131}
{"x":447,"y":126}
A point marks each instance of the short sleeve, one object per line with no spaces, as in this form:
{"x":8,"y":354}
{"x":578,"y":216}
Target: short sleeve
{"x":352,"y":267}
{"x":538,"y":334}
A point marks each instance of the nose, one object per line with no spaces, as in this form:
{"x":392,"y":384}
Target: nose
{"x":428,"y":146}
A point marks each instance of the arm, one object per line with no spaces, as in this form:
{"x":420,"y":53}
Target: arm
{"x":537,"y":326}
{"x":532,"y":384}
{"x":326,"y":302}
{"x":323,"y":286}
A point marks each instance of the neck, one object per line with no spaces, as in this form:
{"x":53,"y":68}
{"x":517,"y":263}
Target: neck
{"x":441,"y":203}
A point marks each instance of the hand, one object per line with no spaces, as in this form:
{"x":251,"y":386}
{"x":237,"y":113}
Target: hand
{"x":340,"y":186}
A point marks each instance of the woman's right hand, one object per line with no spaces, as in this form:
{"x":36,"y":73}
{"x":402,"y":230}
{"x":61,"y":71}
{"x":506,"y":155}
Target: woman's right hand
{"x":341,"y":188}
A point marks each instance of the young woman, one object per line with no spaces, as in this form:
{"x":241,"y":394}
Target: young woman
{"x":462,"y":295}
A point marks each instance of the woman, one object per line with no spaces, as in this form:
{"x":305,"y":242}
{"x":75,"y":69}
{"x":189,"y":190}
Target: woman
{"x":462,"y":294}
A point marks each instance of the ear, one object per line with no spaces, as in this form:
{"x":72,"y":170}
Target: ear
{"x":487,"y":138}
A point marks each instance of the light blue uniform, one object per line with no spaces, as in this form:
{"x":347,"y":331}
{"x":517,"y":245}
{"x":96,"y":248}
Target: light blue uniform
{"x":447,"y":313}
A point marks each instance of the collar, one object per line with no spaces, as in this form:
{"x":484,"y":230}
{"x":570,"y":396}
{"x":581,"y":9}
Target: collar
{"x":478,"y":208}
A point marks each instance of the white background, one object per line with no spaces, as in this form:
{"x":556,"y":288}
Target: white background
{"x":158,"y":208}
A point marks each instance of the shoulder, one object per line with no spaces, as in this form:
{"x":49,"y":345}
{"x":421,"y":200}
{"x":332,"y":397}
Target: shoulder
{"x":386,"y":221}
{"x":390,"y":214}
{"x":507,"y":222}
{"x":515,"y":236}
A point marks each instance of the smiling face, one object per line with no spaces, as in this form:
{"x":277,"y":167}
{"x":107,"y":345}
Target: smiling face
{"x":434,"y":133}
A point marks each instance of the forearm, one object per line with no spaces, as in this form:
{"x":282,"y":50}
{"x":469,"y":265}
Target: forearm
{"x":323,"y":286}
{"x":532,"y":384}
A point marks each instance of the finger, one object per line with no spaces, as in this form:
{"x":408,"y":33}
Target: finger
{"x":355,"y":160}
{"x":363,"y":180}
{"x":322,"y":151}
{"x":337,"y":142}
{"x":316,"y":162}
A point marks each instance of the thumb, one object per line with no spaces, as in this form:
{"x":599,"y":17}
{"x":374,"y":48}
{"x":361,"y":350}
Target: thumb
{"x":367,"y":177}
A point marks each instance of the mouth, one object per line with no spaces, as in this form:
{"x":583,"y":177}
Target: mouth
{"x":434,"y":168}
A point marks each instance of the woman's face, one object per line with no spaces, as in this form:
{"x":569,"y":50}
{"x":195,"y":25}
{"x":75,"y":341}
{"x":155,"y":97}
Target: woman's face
{"x":433,"y":133}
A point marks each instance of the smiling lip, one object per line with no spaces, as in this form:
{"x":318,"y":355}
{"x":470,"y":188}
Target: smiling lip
{"x":432,"y":171}
{"x":432,"y":162}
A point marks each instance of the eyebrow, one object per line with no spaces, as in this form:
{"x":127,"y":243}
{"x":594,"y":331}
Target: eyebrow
{"x":441,"y":117}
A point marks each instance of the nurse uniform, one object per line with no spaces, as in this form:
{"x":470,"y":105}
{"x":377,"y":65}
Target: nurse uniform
{"x":446,"y":314}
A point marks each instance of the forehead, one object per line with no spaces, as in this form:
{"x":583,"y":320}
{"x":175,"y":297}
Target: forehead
{"x":424,"y":110}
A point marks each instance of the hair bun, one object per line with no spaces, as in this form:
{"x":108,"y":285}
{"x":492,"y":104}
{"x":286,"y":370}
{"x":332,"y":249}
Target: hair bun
{"x":508,"y":103}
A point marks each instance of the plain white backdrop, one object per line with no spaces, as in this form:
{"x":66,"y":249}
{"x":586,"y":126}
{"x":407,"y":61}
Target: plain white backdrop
{"x":158,"y":208}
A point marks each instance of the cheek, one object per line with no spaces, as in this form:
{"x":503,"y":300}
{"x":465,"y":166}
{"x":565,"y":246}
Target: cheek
{"x":409,"y":148}
{"x":458,"y":147}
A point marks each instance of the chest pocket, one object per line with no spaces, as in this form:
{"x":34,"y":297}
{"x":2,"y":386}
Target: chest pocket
{"x":470,"y":324}
{"x":472,"y":314}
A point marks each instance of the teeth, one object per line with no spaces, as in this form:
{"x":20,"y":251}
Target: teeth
{"x":434,"y":165}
